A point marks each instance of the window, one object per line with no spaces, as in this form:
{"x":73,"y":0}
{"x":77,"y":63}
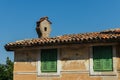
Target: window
{"x":102,"y":58}
{"x":49,"y":63}
{"x":49,"y":60}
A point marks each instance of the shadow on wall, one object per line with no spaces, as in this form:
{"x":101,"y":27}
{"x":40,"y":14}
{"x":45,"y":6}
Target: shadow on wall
{"x":75,"y":53}
{"x":118,"y":51}
{"x":26,"y":56}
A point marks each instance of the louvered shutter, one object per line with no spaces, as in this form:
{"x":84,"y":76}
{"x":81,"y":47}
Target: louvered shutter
{"x":44,"y":61}
{"x":107,"y":60}
{"x":97,"y":59}
{"x":102,"y":58}
{"x":53,"y":62}
{"x":49,"y":60}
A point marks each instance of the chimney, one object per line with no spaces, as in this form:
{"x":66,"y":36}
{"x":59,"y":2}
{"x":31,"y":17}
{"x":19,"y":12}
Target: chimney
{"x":43,"y":27}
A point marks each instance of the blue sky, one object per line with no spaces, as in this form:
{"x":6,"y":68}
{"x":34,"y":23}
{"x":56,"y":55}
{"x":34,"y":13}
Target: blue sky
{"x":18,"y":18}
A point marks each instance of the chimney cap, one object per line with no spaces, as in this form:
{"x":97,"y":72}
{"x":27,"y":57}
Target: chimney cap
{"x":44,"y":18}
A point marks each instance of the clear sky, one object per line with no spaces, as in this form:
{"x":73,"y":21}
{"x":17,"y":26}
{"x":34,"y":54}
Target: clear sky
{"x":18,"y":18}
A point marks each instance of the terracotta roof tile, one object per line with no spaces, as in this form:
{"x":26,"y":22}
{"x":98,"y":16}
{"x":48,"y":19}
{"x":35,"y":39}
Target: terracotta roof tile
{"x":105,"y":36}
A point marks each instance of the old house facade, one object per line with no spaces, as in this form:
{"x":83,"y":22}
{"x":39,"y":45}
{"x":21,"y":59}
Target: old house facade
{"x":86,"y":56}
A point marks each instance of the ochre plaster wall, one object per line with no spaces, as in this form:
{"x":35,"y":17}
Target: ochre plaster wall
{"x":25,"y":61}
{"x":25,"y":77}
{"x":75,"y":63}
{"x":71,"y":76}
{"x":75,"y":59}
{"x":118,"y":60}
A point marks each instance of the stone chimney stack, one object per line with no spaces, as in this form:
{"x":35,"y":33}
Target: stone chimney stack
{"x":43,"y":27}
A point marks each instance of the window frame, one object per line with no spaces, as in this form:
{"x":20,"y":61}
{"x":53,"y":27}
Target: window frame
{"x":100,"y":56}
{"x":49,"y":74}
{"x":49,"y":56}
{"x":103,"y":73}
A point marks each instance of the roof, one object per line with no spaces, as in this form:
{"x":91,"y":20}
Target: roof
{"x":112,"y":35}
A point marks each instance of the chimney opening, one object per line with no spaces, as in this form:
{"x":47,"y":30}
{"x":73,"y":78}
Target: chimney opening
{"x":45,"y":28}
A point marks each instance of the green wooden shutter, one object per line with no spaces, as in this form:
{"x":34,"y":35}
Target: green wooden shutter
{"x":96,"y":59}
{"x":102,"y":58}
{"x":44,"y":61}
{"x":107,"y":60}
{"x":49,"y":60}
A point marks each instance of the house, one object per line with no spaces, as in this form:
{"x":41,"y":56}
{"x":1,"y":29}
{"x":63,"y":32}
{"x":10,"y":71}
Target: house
{"x":86,"y":56}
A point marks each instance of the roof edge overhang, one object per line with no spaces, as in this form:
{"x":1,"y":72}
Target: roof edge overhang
{"x":107,"y":36}
{"x":13,"y":48}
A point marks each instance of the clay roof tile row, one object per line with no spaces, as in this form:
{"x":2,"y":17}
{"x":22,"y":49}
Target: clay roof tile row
{"x":111,"y":35}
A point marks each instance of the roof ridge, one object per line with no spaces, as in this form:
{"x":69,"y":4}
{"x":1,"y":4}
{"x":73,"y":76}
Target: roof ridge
{"x":112,"y":31}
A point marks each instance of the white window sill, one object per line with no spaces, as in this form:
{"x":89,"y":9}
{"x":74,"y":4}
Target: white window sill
{"x":48,"y":75}
{"x":103,"y":74}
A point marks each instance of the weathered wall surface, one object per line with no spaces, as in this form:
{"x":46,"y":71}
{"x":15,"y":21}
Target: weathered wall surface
{"x":25,"y":61}
{"x":75,"y":59}
{"x":118,"y":60}
{"x":75,"y":63}
{"x":25,"y":65}
{"x":45,"y":32}
{"x":71,"y":76}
